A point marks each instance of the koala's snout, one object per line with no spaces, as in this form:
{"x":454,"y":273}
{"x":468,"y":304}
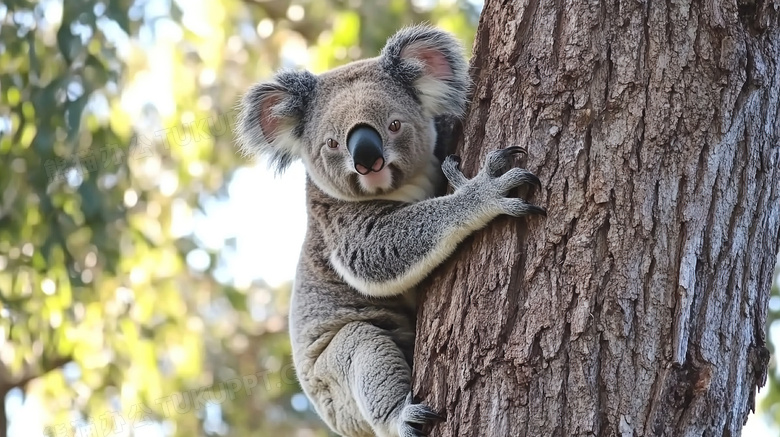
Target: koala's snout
{"x":365,"y":146}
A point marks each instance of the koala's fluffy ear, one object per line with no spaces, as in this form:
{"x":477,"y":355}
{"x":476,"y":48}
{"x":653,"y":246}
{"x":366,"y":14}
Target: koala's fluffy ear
{"x":431,"y":61}
{"x":270,"y":121}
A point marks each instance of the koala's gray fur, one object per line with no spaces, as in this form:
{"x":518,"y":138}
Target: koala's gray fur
{"x":371,"y":239}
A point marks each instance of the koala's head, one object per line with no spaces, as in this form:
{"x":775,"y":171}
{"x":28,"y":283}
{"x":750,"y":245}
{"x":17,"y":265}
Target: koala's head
{"x":364,"y":129}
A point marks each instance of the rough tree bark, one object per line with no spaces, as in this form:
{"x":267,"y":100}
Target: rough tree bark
{"x":637,"y":307}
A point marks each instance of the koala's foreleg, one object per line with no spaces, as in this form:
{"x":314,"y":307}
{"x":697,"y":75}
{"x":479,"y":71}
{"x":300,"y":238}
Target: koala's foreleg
{"x":391,"y":250}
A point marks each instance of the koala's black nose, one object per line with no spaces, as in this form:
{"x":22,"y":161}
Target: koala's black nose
{"x":365,"y":146}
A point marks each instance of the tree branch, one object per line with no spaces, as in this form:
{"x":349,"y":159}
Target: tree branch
{"x":29,"y":372}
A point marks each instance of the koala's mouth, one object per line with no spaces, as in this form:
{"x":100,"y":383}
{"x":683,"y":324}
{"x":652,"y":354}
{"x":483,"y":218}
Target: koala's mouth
{"x":378,"y":181}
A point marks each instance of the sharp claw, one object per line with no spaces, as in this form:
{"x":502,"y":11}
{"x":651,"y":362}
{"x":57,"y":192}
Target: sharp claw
{"x":514,"y":150}
{"x":535,"y":180}
{"x":428,"y":414}
{"x":434,"y":415}
{"x":537,"y":210}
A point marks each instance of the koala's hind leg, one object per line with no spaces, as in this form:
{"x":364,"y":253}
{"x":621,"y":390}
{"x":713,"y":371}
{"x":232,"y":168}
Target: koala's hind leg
{"x":380,"y":380}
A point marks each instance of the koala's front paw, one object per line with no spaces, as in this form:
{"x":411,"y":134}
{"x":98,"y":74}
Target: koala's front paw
{"x":495,"y":180}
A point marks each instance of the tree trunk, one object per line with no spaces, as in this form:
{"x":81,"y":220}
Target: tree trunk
{"x":3,"y":413}
{"x":637,"y":307}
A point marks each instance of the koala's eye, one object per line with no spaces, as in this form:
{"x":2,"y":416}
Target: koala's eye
{"x":332,"y":143}
{"x":395,"y":126}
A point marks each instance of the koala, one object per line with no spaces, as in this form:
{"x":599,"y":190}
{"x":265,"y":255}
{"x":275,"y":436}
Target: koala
{"x":367,"y":134}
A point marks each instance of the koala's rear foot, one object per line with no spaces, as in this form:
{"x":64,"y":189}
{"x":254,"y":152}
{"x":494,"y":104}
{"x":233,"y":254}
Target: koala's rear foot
{"x":382,"y":388}
{"x":365,"y":385}
{"x":414,"y":417}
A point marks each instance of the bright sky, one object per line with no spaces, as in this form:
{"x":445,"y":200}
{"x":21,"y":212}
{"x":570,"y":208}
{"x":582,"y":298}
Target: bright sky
{"x":266,"y":214}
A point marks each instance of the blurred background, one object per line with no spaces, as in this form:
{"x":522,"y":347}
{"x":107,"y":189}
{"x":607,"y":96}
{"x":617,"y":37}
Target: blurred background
{"x":145,"y":267}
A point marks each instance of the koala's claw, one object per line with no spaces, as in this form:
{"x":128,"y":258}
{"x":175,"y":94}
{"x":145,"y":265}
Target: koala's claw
{"x":533,"y":180}
{"x":419,"y":413}
{"x":516,"y":177}
{"x":519,"y":208}
{"x":517,"y":150}
{"x":498,"y":161}
{"x":414,"y":417}
{"x":411,"y":432}
{"x":537,"y":210}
